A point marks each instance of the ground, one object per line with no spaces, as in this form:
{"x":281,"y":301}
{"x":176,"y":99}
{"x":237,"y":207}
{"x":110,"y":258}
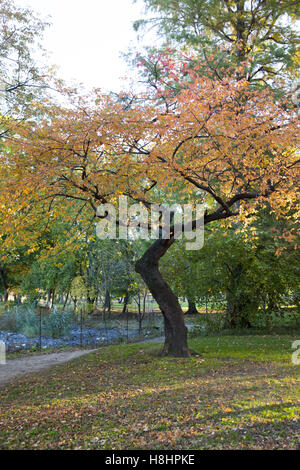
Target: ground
{"x":236,"y":392}
{"x":33,"y":363}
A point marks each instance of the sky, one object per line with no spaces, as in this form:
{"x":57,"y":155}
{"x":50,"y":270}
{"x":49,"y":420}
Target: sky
{"x":87,"y":37}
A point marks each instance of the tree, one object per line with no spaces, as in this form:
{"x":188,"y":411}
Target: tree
{"x":192,"y":309}
{"x":48,"y":277}
{"x":261,"y":31}
{"x":12,"y":271}
{"x":218,"y":142}
{"x":253,"y":269}
{"x":262,"y":34}
{"x":21,"y":79}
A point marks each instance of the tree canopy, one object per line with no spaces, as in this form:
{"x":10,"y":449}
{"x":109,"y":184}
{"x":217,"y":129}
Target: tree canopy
{"x":215,"y":141}
{"x":197,"y":133}
{"x":264,"y":32}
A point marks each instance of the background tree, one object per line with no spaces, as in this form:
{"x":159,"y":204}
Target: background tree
{"x":264,"y":32}
{"x":254,"y":270}
{"x":22,"y":80}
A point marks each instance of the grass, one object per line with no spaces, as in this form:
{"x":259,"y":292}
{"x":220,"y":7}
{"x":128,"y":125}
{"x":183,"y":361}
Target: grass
{"x":236,"y":392}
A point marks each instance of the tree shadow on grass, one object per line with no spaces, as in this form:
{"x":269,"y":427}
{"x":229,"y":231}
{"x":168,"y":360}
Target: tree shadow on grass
{"x":113,"y":397}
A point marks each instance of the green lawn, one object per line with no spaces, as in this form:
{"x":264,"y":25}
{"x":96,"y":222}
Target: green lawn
{"x":237,"y":392}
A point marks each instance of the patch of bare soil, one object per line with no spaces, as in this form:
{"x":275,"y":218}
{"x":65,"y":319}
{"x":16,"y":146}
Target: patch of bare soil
{"x":26,"y":365}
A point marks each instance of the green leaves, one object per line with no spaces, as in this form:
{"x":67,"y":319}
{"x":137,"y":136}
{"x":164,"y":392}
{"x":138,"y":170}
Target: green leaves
{"x":264,"y":33}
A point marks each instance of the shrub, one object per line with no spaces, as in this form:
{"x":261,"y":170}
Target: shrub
{"x":27,"y":321}
{"x":277,"y":319}
{"x":206,"y":324}
{"x":57,"y":324}
{"x":8,"y":321}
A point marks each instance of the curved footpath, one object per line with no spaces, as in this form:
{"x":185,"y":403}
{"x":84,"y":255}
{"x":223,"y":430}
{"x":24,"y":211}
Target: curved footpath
{"x":29,"y":364}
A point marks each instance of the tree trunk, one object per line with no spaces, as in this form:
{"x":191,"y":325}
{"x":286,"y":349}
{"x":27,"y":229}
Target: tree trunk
{"x":234,"y":309}
{"x":175,"y":329}
{"x":107,"y":303}
{"x":140,"y":316}
{"x":66,"y":301}
{"x":237,"y":311}
{"x":147,"y":267}
{"x":90,"y":302}
{"x":4,"y":284}
{"x":52,"y":299}
{"x":75,"y":303}
{"x":49,"y":294}
{"x":231,"y":312}
{"x":168,"y":336}
{"x":192,"y":310}
{"x":125,"y":305}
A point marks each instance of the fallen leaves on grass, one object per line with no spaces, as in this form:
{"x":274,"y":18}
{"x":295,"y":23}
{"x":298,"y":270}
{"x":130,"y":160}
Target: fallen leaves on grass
{"x":109,"y":401}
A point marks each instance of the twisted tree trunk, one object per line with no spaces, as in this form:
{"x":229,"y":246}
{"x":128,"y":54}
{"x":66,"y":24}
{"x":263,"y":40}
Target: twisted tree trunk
{"x":175,"y":329}
{"x":148,"y":267}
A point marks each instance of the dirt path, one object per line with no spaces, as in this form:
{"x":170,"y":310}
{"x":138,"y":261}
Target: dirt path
{"x":26,"y":365}
{"x":154,"y":340}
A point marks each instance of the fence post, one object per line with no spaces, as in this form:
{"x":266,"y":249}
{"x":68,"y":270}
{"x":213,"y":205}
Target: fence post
{"x":127,"y":325}
{"x":40,"y":316}
{"x":81,"y":321}
{"x":2,"y":353}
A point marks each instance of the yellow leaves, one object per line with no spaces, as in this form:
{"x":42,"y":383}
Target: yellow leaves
{"x":279,"y":251}
{"x":213,"y":134}
{"x":34,"y":246}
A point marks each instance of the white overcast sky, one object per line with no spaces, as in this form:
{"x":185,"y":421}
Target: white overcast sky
{"x":87,"y":37}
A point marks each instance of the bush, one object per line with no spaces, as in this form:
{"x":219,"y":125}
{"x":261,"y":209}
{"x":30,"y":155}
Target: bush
{"x":277,"y":319}
{"x":206,"y":324}
{"x":57,"y":324}
{"x":8,"y":321}
{"x":27,"y":321}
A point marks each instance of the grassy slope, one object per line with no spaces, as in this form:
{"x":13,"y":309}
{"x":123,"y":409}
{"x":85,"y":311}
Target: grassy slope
{"x":240,"y":392}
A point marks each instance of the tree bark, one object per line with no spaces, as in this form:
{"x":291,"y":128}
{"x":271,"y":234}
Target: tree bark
{"x":52,"y":298}
{"x":4,"y":284}
{"x":147,"y":267}
{"x":125,"y":305}
{"x":66,"y":301}
{"x":192,"y":310}
{"x":107,"y":303}
{"x":238,"y":310}
{"x":175,"y":329}
{"x":49,"y":294}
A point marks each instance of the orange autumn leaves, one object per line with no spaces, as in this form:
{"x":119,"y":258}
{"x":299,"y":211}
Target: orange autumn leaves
{"x":219,"y":138}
